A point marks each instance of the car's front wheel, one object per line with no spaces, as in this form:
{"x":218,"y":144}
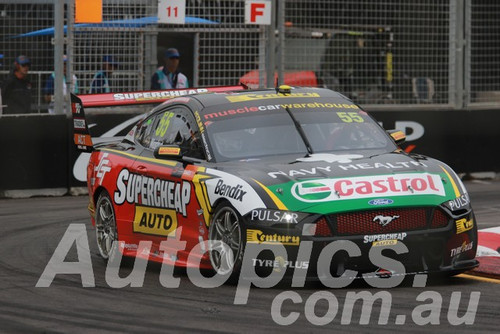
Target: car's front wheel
{"x":105,"y":223}
{"x":226,"y":237}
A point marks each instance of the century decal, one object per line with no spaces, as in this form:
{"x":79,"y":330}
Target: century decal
{"x":148,"y":191}
{"x":464,"y":225}
{"x":259,"y":237}
{"x":325,"y":190}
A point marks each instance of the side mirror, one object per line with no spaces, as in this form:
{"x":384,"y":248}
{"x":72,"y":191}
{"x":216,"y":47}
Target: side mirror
{"x":398,"y":136}
{"x":168,"y":152}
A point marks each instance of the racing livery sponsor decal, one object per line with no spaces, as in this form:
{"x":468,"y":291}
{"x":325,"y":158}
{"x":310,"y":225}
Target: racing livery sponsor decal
{"x":383,"y":237}
{"x":259,"y":237}
{"x":102,"y":168}
{"x":203,"y":135}
{"x":273,"y":216}
{"x":154,"y":221}
{"x":162,"y":94}
{"x":76,"y":108}
{"x":280,"y":263}
{"x":459,"y":202}
{"x":461,"y":249}
{"x":148,"y":191}
{"x":324,"y":190}
{"x":381,"y":201}
{"x":254,"y":97}
{"x":165,"y":150}
{"x":82,"y":140}
{"x":383,"y":243}
{"x":234,"y":189}
{"x":386,"y":165}
{"x":464,"y":225}
{"x":345,"y":117}
{"x":346,"y":158}
{"x":79,"y":123}
{"x":226,"y":190}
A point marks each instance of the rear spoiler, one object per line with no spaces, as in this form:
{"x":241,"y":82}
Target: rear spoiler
{"x":82,"y":138}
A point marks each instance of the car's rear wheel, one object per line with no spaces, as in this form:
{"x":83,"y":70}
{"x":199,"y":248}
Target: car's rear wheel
{"x":105,"y":223}
{"x":227,"y":244}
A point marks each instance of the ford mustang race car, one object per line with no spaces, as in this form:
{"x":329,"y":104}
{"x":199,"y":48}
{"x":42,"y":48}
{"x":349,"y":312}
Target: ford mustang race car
{"x":271,"y":167}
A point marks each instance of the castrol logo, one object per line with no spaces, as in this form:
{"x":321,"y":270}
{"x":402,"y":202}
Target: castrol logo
{"x":325,"y":190}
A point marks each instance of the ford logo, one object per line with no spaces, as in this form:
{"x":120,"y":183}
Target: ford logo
{"x":381,"y":201}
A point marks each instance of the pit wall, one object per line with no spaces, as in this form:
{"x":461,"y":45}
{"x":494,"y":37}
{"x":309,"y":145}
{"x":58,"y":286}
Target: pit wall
{"x":39,"y":159}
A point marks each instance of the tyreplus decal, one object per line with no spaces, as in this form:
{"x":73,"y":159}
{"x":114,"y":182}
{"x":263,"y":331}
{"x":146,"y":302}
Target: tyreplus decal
{"x":325,"y":190}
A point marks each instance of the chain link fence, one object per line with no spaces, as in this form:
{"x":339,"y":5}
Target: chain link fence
{"x":382,"y":54}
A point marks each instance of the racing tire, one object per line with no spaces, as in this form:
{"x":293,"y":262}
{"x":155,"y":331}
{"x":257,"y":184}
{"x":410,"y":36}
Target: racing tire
{"x":226,"y":235}
{"x":105,"y":226}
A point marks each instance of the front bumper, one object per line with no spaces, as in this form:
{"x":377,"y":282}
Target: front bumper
{"x":448,"y":250}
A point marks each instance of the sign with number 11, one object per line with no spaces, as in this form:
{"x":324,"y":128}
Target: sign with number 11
{"x":172,"y":11}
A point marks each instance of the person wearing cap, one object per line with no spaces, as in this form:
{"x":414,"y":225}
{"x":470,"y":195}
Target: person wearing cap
{"x":48,"y":90}
{"x":101,"y":81}
{"x":168,"y":76}
{"x":16,"y":89}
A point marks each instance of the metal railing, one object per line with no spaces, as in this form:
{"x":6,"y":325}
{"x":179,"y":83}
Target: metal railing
{"x":426,"y":54}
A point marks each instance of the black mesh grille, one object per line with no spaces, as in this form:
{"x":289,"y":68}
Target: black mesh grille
{"x":380,"y":221}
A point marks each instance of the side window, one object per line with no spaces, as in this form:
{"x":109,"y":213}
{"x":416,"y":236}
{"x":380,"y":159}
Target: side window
{"x":176,"y":126}
{"x":143,"y":134}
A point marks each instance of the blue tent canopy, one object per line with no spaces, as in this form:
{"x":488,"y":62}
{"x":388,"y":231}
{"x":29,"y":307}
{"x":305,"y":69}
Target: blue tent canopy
{"x":129,"y":23}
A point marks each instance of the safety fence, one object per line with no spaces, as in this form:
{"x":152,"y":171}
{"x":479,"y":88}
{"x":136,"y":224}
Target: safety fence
{"x":384,"y":54}
{"x":42,"y":159}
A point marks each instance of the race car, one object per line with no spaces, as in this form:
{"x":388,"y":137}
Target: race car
{"x":279,"y":166}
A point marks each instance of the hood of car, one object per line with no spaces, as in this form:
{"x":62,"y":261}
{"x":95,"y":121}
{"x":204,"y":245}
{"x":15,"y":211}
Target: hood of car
{"x":329,"y":183}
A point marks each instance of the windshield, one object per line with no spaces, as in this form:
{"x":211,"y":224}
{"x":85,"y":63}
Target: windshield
{"x":253,"y":135}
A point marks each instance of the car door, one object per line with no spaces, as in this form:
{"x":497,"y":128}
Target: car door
{"x":167,"y":196}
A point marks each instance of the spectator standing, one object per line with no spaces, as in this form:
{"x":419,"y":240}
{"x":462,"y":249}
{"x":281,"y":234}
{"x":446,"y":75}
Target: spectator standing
{"x":48,"y":90}
{"x":101,"y":82}
{"x":16,"y":89}
{"x":169,"y":76}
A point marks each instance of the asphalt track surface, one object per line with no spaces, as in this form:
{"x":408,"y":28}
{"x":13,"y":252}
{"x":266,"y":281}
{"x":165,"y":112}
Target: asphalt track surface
{"x":32,"y":228}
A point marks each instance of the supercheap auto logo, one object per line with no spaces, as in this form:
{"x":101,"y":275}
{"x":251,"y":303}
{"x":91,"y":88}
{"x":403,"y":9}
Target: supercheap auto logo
{"x":154,"y":221}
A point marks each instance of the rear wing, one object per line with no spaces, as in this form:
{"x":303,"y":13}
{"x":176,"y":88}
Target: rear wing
{"x":81,"y":136}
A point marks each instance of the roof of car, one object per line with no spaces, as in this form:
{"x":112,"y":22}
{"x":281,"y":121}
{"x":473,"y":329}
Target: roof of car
{"x":270,"y":96}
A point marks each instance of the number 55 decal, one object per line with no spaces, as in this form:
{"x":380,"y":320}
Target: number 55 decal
{"x":349,"y":117}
